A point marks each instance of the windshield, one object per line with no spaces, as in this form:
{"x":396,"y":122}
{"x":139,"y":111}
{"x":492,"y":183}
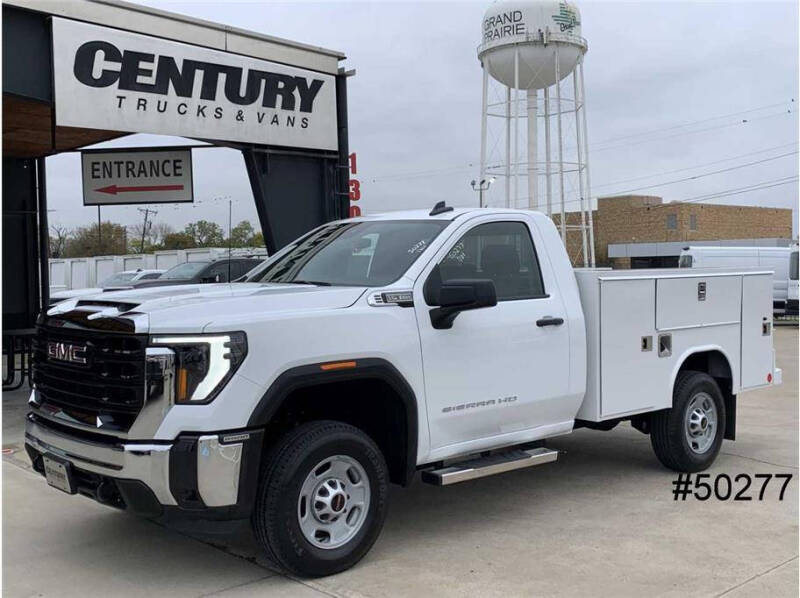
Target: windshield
{"x":373,"y":253}
{"x":182,"y":271}
{"x":685,"y":261}
{"x":119,"y":278}
{"x":793,"y":266}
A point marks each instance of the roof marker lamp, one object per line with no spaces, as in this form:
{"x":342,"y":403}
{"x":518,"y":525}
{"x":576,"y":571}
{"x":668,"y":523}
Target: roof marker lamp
{"x":203,"y":363}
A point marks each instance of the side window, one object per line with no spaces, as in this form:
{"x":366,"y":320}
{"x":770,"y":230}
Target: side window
{"x":499,"y":251}
{"x":220,"y":269}
{"x":150,"y":276}
{"x":243,"y":267}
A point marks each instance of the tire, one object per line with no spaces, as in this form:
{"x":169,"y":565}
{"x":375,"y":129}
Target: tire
{"x":685,"y":438}
{"x":323,"y":477}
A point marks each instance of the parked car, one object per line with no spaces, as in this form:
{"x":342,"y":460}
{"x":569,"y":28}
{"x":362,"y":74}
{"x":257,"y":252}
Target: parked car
{"x":120,"y":280}
{"x":767,"y":258}
{"x":451,"y":342}
{"x":202,"y":271}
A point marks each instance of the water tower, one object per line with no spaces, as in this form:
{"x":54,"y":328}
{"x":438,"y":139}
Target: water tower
{"x":528,"y":46}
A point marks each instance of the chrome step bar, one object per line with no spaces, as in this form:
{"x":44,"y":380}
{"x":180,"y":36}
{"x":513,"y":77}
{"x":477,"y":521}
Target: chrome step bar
{"x":481,"y":467}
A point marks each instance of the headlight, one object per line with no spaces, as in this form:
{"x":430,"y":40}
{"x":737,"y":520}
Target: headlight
{"x":203,"y":363}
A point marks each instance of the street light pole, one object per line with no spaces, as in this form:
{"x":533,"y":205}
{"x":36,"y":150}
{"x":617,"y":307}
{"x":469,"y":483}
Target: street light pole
{"x":481,"y":187}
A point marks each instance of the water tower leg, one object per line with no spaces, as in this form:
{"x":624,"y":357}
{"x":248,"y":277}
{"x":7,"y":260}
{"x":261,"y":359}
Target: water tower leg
{"x":507,"y":200}
{"x":563,"y":223}
{"x":577,"y":104}
{"x":484,"y":117}
{"x":586,"y":164}
{"x":516,"y":127}
{"x":533,"y":150}
{"x":548,"y":167}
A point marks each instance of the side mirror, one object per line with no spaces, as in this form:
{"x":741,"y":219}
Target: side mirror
{"x":454,"y":296}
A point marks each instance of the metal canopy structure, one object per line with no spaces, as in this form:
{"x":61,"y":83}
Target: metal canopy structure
{"x":65,"y":66}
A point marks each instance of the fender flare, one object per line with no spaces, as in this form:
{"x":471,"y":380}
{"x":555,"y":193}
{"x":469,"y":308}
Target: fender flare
{"x":366,"y":368}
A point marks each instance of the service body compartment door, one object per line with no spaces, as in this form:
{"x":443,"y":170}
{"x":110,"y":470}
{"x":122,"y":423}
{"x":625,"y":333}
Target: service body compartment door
{"x":697,"y":301}
{"x":757,"y":357}
{"x":633,"y":377}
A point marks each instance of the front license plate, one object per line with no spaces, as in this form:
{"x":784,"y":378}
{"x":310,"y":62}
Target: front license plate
{"x":58,"y":474}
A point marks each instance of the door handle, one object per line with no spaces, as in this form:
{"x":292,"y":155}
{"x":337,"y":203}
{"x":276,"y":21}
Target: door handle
{"x":549,"y":321}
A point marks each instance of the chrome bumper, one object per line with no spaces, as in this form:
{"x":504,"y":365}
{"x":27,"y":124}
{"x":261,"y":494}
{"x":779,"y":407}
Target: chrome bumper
{"x":147,"y":463}
{"x":218,"y":461}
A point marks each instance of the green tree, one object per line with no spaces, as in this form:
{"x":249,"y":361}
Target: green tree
{"x":177,"y":241}
{"x":85,"y":241}
{"x":242,"y":234}
{"x":205,"y":233}
{"x":257,"y":240}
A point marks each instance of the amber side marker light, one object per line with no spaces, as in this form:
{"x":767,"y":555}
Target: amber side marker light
{"x":338,"y":365}
{"x":183,"y":385}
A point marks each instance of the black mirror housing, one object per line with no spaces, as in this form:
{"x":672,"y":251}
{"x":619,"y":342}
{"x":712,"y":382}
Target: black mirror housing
{"x":454,"y":296}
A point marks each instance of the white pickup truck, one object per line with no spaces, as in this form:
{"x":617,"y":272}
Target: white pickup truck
{"x":454,"y":342}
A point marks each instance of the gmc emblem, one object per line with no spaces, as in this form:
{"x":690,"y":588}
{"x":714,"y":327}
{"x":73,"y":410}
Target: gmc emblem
{"x":67,"y":352}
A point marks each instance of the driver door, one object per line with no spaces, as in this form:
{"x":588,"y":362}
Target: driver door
{"x":495,"y":375}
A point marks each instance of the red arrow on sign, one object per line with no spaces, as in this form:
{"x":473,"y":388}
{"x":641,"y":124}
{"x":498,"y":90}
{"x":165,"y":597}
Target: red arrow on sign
{"x":113,"y":189}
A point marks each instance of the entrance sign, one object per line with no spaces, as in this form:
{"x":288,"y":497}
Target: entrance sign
{"x":136,"y":176}
{"x":120,"y":81}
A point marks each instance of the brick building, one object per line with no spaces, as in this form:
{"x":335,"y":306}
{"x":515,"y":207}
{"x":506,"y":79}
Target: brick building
{"x":642,"y":231}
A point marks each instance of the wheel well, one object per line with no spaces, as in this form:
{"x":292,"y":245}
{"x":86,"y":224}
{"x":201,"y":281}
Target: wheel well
{"x":370,"y":404}
{"x":715,"y":364}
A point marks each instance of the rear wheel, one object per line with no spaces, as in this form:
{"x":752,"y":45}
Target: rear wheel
{"x":688,"y":436}
{"x":322,"y":498}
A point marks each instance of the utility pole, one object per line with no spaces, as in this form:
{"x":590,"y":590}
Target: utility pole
{"x":230,"y":240}
{"x":147,"y":212}
{"x":99,"y":233}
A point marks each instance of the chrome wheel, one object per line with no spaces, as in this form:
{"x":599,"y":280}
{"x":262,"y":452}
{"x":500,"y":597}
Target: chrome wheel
{"x":701,"y":422}
{"x":334,"y":501}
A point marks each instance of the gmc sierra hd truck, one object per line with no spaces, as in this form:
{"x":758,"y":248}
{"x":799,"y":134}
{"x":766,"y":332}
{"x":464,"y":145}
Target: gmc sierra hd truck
{"x":450,"y":342}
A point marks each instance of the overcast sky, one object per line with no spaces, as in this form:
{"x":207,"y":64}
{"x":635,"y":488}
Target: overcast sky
{"x":414,"y":104}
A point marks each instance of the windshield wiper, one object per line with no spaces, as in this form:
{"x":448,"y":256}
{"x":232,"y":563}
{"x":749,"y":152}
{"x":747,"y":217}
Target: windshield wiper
{"x":314,"y":282}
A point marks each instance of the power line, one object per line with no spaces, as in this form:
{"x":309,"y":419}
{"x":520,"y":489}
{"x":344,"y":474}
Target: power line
{"x":740,"y":190}
{"x":697,"y":122}
{"x":595,"y":149}
{"x":705,"y":174}
{"x":599,"y":147}
{"x":649,"y":176}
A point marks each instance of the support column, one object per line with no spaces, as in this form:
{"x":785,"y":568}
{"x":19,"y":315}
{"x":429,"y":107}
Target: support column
{"x":578,"y":139}
{"x":533,"y":150}
{"x":507,"y":199}
{"x":516,"y":128}
{"x":586,"y":164}
{"x":563,"y":223}
{"x":484,"y":118}
{"x":44,"y":234}
{"x":548,"y":167}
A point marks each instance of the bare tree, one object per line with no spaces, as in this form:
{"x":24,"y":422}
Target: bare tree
{"x":58,"y":240}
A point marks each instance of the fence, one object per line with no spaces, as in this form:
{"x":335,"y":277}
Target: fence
{"x":88,"y":272}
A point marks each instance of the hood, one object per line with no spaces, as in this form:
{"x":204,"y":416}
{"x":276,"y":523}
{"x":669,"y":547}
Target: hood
{"x":190,"y":308}
{"x":72,"y":293}
{"x":157,"y":282}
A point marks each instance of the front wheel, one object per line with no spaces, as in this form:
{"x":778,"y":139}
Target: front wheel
{"x":322,"y":498}
{"x":688,"y":436}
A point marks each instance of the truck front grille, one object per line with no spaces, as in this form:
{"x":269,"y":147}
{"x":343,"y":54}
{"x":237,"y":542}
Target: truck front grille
{"x":95,"y":378}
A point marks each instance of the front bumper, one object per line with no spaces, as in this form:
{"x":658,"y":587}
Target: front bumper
{"x":209,"y":476}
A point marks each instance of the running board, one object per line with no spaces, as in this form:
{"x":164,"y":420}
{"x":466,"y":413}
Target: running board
{"x":490,"y":465}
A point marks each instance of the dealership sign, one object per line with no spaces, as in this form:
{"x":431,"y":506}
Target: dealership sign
{"x":136,"y":176}
{"x":120,"y":81}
